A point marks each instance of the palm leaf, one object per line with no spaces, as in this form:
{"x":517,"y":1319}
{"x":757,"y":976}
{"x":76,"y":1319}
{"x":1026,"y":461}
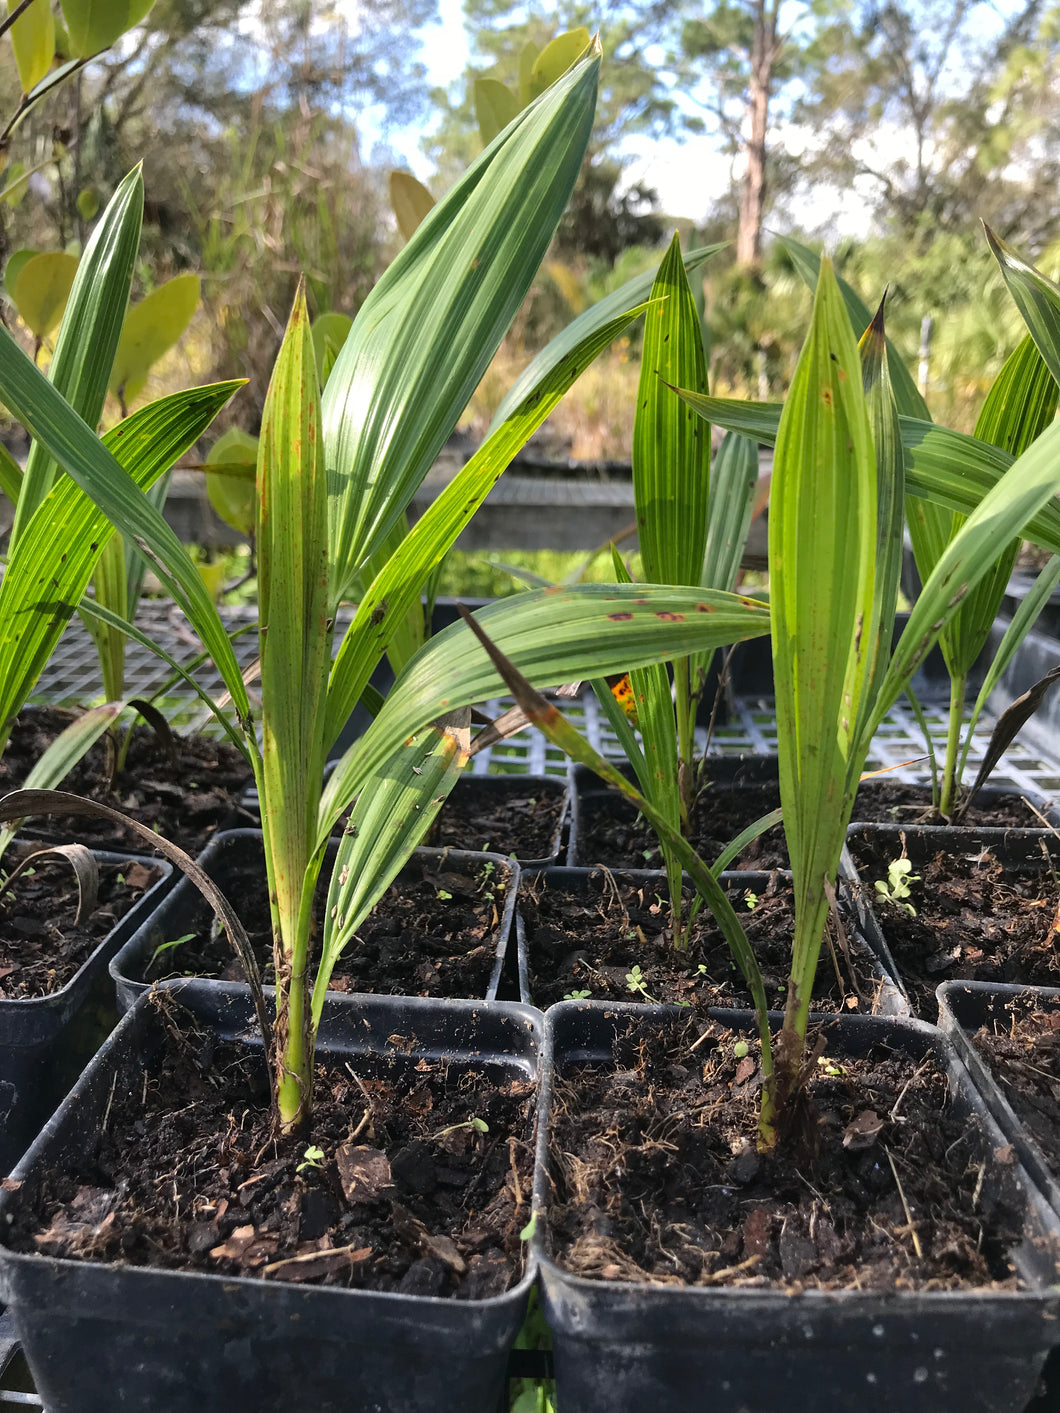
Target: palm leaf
{"x":63,"y":540}
{"x":91,"y":327}
{"x":427,"y":332}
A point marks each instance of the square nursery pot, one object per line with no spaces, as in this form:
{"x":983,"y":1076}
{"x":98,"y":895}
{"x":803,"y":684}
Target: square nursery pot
{"x":227,"y":857}
{"x":967,"y":1007}
{"x":101,"y":1336}
{"x":740,"y":782}
{"x":592,"y":886}
{"x":623,"y":1347}
{"x":751,"y":667}
{"x":46,"y":1041}
{"x":520,"y":816}
{"x":915,"y":969}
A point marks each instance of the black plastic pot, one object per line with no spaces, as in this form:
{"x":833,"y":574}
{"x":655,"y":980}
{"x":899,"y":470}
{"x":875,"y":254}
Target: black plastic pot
{"x":481,"y":797}
{"x":45,"y":1042}
{"x":100,"y":1337}
{"x":751,"y":669}
{"x":382,"y":679}
{"x":964,"y":1008}
{"x":1047,"y":624}
{"x":1016,"y":849}
{"x":185,"y":910}
{"x":590,"y":795}
{"x":621,"y":1347}
{"x":590,"y":883}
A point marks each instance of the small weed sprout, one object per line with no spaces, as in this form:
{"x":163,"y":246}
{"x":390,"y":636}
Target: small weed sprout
{"x":166,"y":947}
{"x":311,"y":1158}
{"x":475,"y":1124}
{"x":636,"y":983}
{"x":576,"y":995}
{"x":740,"y":1050}
{"x":896,"y":889}
{"x":751,"y":901}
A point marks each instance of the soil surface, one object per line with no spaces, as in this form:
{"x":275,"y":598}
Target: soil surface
{"x":584,"y":943}
{"x":883,"y":801}
{"x":657,"y":1177}
{"x":185,"y":798}
{"x":976,"y":920}
{"x":512,"y":821}
{"x":613,"y":833}
{"x":41,"y":946}
{"x":433,"y":933}
{"x":414,"y":1177}
{"x":1024,"y":1059}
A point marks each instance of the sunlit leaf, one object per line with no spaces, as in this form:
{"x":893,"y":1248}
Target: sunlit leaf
{"x":495,"y":107}
{"x":93,"y":25}
{"x":410,"y":201}
{"x":33,"y":38}
{"x":556,"y":58}
{"x":233,"y":497}
{"x":151,"y":329}
{"x":40,"y":289}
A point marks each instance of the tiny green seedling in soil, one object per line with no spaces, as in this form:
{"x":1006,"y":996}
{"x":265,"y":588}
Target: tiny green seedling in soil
{"x":740,"y":1050}
{"x":443,"y":896}
{"x":476,"y":1124}
{"x":166,"y":947}
{"x":751,"y":900}
{"x":896,"y":889}
{"x":576,"y":995}
{"x":636,"y":983}
{"x":311,"y":1158}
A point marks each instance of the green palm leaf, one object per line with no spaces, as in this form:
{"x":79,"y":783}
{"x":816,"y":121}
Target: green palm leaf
{"x":428,"y":330}
{"x":91,"y":328}
{"x":552,"y":635}
{"x":62,"y":541}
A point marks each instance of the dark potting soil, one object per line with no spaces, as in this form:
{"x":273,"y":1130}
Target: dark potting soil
{"x":585,"y":946}
{"x":976,"y":920}
{"x":41,"y":947}
{"x":413,"y":1178}
{"x":185,"y":798}
{"x":657,"y":1175}
{"x":611,"y":832}
{"x":893,"y":802}
{"x":522,"y":824}
{"x":431,"y":934}
{"x":1024,"y":1059}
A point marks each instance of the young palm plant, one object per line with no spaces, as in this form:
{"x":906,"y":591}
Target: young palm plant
{"x":834,"y":521}
{"x":334,"y":478}
{"x":1019,"y":405}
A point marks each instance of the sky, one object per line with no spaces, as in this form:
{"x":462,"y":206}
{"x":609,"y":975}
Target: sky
{"x":664,"y":165}
{"x":688,"y":174}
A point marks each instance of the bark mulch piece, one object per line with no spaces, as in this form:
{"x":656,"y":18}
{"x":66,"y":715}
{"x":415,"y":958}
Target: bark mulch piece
{"x":658,"y":1179}
{"x":585,"y":945}
{"x":41,"y":948}
{"x":414,"y":1177}
{"x":185,"y":799}
{"x":977,"y":919}
{"x":432,"y":934}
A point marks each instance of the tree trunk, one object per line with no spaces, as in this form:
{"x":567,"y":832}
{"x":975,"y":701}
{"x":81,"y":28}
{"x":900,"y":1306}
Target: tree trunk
{"x":753,"y":193}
